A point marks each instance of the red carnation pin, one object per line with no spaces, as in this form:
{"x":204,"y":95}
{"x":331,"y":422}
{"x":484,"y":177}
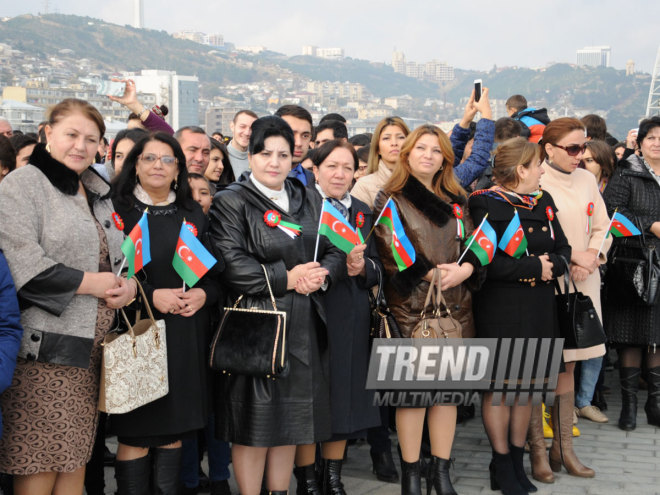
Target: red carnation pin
{"x":590,"y":209}
{"x":119,"y":223}
{"x":359,"y":219}
{"x":458,"y":211}
{"x":549,"y":213}
{"x":191,"y":227}
{"x":272,"y":218}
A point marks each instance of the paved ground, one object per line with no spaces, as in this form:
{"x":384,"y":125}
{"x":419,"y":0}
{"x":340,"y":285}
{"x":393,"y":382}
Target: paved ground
{"x":625,"y":462}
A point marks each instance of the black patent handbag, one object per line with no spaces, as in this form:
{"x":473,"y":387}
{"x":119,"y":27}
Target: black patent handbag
{"x":251,"y":340}
{"x":579,"y":323}
{"x":635,"y":264}
{"x":383,"y":324}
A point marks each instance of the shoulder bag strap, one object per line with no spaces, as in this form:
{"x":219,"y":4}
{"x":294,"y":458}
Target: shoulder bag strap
{"x":270,"y":291}
{"x":430,"y":293}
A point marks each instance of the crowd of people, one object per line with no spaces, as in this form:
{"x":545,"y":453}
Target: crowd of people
{"x":70,"y":198}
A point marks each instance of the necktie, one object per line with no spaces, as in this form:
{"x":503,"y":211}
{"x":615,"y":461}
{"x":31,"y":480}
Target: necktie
{"x":300,"y":174}
{"x":340,"y":207}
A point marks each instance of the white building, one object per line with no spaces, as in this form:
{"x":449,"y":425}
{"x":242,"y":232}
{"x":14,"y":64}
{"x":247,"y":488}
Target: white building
{"x":327,"y":53}
{"x":594,"y":56}
{"x":22,"y":116}
{"x":138,"y":14}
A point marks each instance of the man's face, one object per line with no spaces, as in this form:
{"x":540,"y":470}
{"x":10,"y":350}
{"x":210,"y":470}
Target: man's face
{"x":242,"y":130}
{"x":197,"y":149}
{"x":302,"y":134}
{"x":5,"y":129}
{"x":324,"y":136}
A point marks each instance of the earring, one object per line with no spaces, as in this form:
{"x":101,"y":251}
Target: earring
{"x":48,"y":147}
{"x":175,"y":186}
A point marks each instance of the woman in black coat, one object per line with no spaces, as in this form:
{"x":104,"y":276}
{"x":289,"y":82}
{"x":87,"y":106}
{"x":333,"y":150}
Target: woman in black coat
{"x":630,"y":324}
{"x":154,"y":176}
{"x":348,"y":315}
{"x":265,"y":418}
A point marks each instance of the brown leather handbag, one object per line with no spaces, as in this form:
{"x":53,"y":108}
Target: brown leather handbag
{"x":438,"y":323}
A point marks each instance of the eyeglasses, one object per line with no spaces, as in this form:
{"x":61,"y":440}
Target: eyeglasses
{"x":150,"y":159}
{"x":573,"y":149}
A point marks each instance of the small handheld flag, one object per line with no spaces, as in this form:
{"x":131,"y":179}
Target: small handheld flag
{"x":402,"y":248}
{"x":485,"y":245}
{"x":136,"y":246}
{"x":337,"y":229}
{"x":514,"y":242}
{"x":191,"y":259}
{"x":620,"y":226}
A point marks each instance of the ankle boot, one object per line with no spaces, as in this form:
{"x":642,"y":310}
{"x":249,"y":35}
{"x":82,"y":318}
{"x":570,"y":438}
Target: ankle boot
{"x":537,"y":452}
{"x":503,"y":476}
{"x":384,"y":468}
{"x":652,"y":406}
{"x":411,"y":483}
{"x":518,"y":468}
{"x":133,"y":476}
{"x":629,"y":378}
{"x":332,"y":484}
{"x":439,"y":477}
{"x":306,"y":482}
{"x":561,"y":451}
{"x":167,"y":470}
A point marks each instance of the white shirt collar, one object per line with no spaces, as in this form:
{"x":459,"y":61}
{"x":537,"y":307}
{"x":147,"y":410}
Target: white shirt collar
{"x":280,"y":198}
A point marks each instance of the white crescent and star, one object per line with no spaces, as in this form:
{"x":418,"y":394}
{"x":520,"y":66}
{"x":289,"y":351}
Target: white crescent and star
{"x":138,"y":243}
{"x":180,"y":251}
{"x":488,"y":246}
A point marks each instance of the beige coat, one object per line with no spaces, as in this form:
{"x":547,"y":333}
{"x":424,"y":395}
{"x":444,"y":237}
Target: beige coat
{"x":572,"y":194}
{"x":367,"y":187}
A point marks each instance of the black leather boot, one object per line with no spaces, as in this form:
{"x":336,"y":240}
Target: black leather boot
{"x":383,"y":466}
{"x":652,"y":406}
{"x":411,"y":483}
{"x":629,"y":378}
{"x":517,"y":454}
{"x":133,"y":476}
{"x":503,"y":476}
{"x":439,"y":477}
{"x":332,"y":484}
{"x":167,"y":470}
{"x":306,"y":482}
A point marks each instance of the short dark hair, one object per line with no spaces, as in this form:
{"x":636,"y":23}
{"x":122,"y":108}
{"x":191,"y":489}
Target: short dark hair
{"x":20,"y":141}
{"x":596,"y":126}
{"x":322,"y":152}
{"x":241,"y":112}
{"x":603,"y":155}
{"x":507,"y":128}
{"x":190,"y":128}
{"x":363,"y":154}
{"x":360,"y":140}
{"x":227,"y":176}
{"x":645,"y":127}
{"x":7,"y":154}
{"x":270,"y":126}
{"x":333,"y":116}
{"x":339,"y":129}
{"x":517,"y":102}
{"x":134,"y":135}
{"x":126,"y":181}
{"x":295,"y":111}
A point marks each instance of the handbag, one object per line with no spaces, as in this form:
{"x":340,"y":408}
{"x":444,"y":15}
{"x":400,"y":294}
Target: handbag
{"x":634,"y":264}
{"x":251,"y":341}
{"x":383,"y":324}
{"x":134,"y":369}
{"x":579,"y":324}
{"x":439,"y":322}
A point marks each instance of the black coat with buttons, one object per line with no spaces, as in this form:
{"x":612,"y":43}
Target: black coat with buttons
{"x":514,"y":301}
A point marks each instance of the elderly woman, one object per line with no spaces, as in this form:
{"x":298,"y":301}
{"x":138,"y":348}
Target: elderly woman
{"x":62,"y":248}
{"x":265,"y":419}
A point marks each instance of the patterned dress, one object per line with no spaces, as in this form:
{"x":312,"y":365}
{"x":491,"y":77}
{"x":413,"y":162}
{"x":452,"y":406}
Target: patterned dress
{"x":50,"y":410}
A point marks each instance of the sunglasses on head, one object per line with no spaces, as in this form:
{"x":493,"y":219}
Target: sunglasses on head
{"x":573,"y":149}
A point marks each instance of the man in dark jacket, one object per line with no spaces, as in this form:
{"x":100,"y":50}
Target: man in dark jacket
{"x":534,"y":119}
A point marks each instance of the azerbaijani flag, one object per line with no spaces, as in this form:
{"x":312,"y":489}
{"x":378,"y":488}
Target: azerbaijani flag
{"x":337,"y":229}
{"x":620,"y":226}
{"x":191,"y":259}
{"x":514,"y":242}
{"x":483,"y":242}
{"x":402,"y":249}
{"x":136,"y":246}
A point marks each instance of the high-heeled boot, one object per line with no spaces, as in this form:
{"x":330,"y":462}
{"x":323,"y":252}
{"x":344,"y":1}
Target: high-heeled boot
{"x":411,"y":483}
{"x":517,"y":454}
{"x":652,"y":406}
{"x":561,"y":451}
{"x":503,"y":476}
{"x":133,"y":476}
{"x":537,"y":451}
{"x":306,"y":482}
{"x":167,"y":470}
{"x":629,"y":378}
{"x":332,"y":484}
{"x":439,"y":477}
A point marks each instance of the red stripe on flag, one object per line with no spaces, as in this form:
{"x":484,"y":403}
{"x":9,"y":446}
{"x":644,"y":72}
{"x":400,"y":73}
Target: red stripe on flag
{"x":515,"y":241}
{"x":190,"y":259}
{"x":487,"y":246}
{"x":401,"y":251}
{"x":621,"y":228}
{"x":329,"y":220}
{"x":136,"y":237}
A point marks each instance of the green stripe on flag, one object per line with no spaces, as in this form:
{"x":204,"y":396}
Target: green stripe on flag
{"x":184,"y":271}
{"x":128,"y":248}
{"x":336,"y":238}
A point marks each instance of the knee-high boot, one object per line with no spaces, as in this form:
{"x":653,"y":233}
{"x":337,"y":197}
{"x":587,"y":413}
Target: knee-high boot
{"x":133,"y":476}
{"x":167,"y":471}
{"x":561,"y":452}
{"x":652,"y":406}
{"x":629,"y":378}
{"x":537,"y":452}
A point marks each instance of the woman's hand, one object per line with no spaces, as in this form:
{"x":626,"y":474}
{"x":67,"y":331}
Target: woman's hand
{"x":469,"y":113}
{"x":483,"y":105}
{"x":167,"y":301}
{"x":655,"y":229}
{"x":546,"y":268}
{"x":129,"y":98}
{"x":453,"y":274}
{"x":96,"y":284}
{"x":631,"y":139}
{"x":312,"y":281}
{"x":120,"y":296}
{"x":298,"y":272}
{"x":194,"y":300}
{"x":578,"y":273}
{"x":355,"y":261}
{"x":586,"y":259}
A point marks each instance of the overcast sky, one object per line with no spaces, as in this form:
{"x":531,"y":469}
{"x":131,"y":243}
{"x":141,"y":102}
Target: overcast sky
{"x":471,"y":34}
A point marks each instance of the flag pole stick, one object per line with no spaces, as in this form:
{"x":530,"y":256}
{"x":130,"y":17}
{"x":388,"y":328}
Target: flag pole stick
{"x":121,"y":267}
{"x":184,"y":286}
{"x":472,"y":238}
{"x":607,"y":234}
{"x":318,"y":234}
{"x":376,"y":222}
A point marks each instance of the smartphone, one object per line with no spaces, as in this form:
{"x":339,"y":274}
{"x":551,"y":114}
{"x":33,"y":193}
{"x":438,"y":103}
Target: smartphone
{"x":477,"y":89}
{"x":110,"y":88}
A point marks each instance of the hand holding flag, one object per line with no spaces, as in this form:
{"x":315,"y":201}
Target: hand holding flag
{"x":620,"y":226}
{"x":191,"y":259}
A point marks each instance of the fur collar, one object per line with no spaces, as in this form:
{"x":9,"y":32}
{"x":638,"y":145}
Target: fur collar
{"x":434,"y":208}
{"x":62,"y":177}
